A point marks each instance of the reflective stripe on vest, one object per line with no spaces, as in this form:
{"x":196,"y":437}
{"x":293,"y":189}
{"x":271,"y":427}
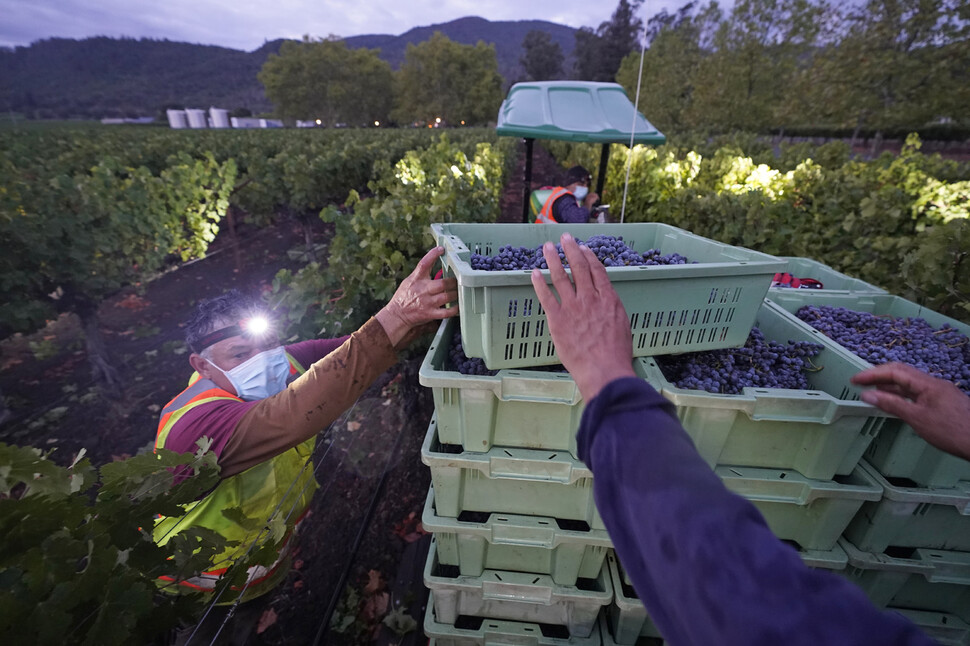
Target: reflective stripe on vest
{"x":280,"y":486}
{"x":545,"y":216}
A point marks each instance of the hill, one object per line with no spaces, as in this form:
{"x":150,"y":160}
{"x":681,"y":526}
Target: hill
{"x":116,"y":77}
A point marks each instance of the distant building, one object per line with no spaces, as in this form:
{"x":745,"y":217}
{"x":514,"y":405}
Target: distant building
{"x":139,"y":120}
{"x":219,"y":118}
{"x":197,"y":118}
{"x":244,"y":122}
{"x":177,"y":119}
{"x":213,"y":118}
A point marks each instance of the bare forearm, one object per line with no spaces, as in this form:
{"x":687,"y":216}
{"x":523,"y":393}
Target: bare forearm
{"x":318,"y":397}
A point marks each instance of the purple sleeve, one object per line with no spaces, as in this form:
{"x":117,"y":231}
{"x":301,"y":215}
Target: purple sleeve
{"x":565,"y":210}
{"x":216,"y":420}
{"x":309,"y":352}
{"x":702,"y":560}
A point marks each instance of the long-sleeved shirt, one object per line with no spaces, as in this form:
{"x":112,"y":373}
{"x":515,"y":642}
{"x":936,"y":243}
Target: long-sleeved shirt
{"x":702,"y":559}
{"x":566,"y":210}
{"x":245,"y":433}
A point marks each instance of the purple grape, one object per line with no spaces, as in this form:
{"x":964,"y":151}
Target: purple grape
{"x":759,"y":363}
{"x":611,"y":251}
{"x":942,"y":352}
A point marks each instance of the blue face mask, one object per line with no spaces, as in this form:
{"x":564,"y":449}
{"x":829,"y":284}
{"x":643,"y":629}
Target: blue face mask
{"x":261,"y":376}
{"x":580,"y":193}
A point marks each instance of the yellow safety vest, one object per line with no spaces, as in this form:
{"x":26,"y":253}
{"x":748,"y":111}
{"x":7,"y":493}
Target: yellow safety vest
{"x":257,"y":492}
{"x":545,"y":215}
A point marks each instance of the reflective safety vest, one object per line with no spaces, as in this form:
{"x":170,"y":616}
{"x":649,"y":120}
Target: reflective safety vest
{"x":545,"y":215}
{"x":280,"y":486}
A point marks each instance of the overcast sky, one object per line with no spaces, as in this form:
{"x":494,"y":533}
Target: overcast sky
{"x":247,"y":24}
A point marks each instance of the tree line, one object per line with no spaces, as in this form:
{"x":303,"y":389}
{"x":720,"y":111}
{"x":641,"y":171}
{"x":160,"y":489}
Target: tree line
{"x":439,"y":79}
{"x":881,"y":66}
{"x":789,"y":66}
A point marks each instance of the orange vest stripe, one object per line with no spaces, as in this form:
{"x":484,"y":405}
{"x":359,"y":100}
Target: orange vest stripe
{"x":281,"y":482}
{"x":545,"y":215}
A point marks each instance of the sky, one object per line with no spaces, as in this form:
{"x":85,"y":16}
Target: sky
{"x":247,"y":24}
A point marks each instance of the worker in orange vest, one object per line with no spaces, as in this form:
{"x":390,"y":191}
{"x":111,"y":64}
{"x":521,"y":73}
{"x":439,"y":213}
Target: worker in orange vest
{"x":260,"y":405}
{"x":572,"y":202}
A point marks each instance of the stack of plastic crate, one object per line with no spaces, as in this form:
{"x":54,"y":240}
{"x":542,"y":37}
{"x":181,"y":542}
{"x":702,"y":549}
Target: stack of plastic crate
{"x":794,"y":454}
{"x":910,"y":549}
{"x":519,"y":549}
{"x":517,"y":540}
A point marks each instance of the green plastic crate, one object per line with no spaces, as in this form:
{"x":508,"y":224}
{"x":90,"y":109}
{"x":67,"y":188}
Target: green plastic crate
{"x":812,"y":513}
{"x":936,"y":518}
{"x":832,"y":280}
{"x":898,"y":452}
{"x":676,"y":308}
{"x":609,"y":639}
{"x":517,"y":543}
{"x":628,"y":619}
{"x":819,"y":432}
{"x":481,"y":631}
{"x":946,"y":629}
{"x":518,"y":408}
{"x":509,"y":481}
{"x":926,"y":579}
{"x":518,"y":596}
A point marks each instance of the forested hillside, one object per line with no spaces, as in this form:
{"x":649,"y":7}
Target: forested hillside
{"x":111,"y":77}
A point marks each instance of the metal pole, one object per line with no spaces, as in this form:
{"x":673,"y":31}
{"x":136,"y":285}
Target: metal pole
{"x":604,"y":160}
{"x":527,"y":180}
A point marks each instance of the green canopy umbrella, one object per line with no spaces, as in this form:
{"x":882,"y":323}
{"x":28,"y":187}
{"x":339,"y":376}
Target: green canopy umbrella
{"x":573,"y":111}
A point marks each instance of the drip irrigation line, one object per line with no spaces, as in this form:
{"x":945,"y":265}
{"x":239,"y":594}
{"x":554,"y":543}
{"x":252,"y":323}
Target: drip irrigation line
{"x":365,"y":525}
{"x":322,"y":496}
{"x":296,"y":501}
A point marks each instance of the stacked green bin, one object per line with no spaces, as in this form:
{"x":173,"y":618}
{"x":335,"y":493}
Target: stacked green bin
{"x":898,"y":452}
{"x":502,"y":450}
{"x":707,"y":304}
{"x":627,"y":620}
{"x":821,"y":432}
{"x":910,"y":549}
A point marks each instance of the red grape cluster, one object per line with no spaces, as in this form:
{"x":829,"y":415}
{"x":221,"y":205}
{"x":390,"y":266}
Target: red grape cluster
{"x":941,"y":352}
{"x":760,"y":363}
{"x":611,"y":251}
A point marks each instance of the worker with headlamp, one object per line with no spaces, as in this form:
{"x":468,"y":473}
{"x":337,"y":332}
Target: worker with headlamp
{"x":262,"y":404}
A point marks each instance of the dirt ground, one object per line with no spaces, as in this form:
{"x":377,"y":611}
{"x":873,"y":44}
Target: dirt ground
{"x":361,"y":549}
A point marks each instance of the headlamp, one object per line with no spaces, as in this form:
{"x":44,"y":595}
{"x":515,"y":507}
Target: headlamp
{"x":255,"y":327}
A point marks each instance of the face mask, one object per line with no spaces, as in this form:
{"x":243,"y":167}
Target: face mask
{"x":580,"y":193}
{"x":260,"y":376}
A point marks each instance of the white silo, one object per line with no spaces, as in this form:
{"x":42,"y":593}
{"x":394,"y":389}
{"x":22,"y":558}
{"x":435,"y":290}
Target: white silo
{"x":176,"y":119}
{"x":197,"y":118}
{"x":220,"y":117}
